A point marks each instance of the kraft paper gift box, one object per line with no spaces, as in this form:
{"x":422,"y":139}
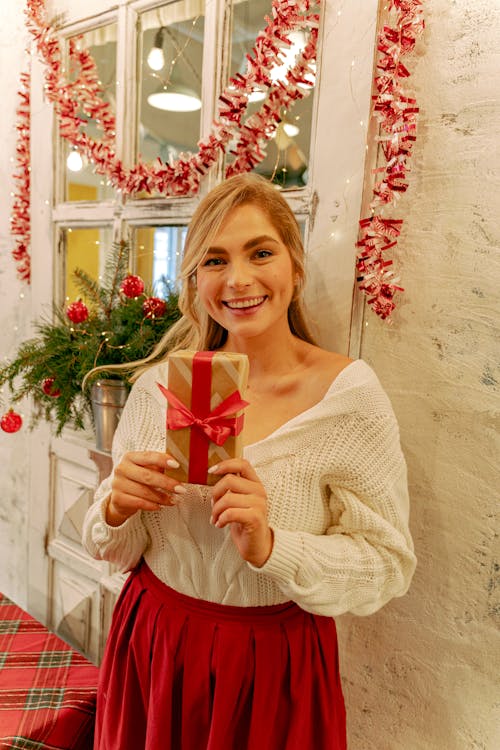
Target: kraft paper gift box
{"x":205,"y":411}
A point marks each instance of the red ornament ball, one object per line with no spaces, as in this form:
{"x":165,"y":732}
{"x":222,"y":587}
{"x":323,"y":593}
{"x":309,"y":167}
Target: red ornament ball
{"x":11,"y":422}
{"x":77,"y":312}
{"x":154,"y":307}
{"x":132,"y":286}
{"x":48,"y":388}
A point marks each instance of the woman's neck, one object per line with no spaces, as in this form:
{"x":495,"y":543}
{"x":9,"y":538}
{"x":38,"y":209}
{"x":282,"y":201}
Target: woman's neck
{"x":269,"y":356}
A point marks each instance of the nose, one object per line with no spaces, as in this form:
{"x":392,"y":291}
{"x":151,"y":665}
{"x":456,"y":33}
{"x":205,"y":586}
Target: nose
{"x":239,"y":275}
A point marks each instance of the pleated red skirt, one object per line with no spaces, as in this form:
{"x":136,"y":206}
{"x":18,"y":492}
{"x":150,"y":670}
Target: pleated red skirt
{"x":185,"y":674}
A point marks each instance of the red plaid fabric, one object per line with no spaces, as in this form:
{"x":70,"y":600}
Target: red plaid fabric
{"x":47,"y":689}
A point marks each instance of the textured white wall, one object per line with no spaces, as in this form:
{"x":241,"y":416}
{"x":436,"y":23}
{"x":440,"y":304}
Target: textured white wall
{"x":423,"y":674}
{"x":15,"y":317}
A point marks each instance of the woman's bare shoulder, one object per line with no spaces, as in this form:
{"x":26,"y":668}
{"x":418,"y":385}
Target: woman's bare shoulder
{"x":322,"y":368}
{"x":330,"y":364}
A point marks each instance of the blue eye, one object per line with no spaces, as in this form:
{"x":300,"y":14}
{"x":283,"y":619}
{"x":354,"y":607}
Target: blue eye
{"x":213,"y":262}
{"x":263,"y":253}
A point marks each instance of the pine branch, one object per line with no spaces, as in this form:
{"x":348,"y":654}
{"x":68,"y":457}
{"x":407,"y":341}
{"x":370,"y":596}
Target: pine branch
{"x":89,"y":288}
{"x":114,"y":272}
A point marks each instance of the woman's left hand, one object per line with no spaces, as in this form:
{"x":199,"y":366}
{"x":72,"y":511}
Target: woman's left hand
{"x":239,"y":499}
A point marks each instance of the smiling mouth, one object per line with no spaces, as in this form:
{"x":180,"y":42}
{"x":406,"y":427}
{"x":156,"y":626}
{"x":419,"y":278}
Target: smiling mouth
{"x":244,"y":304}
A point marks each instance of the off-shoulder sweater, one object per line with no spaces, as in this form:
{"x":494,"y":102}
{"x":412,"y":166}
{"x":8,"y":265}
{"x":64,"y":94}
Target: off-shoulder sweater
{"x":336,"y":482}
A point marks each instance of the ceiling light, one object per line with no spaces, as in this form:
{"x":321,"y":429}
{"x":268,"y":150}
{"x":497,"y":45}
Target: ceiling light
{"x":74,"y":162}
{"x":175,"y":98}
{"x":288,"y":55}
{"x":289,"y":125}
{"x":156,"y":58}
{"x":310,"y":78}
{"x":256,"y":95}
{"x":290,"y":128}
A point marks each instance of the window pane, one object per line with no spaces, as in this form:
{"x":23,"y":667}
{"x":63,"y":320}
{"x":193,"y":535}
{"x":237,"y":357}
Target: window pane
{"x":81,"y":184}
{"x":287,"y":157}
{"x":171,"y":55}
{"x":158,"y":254}
{"x":85,"y":249}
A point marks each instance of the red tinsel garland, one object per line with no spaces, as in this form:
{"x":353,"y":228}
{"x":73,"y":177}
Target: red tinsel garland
{"x":183,"y":176}
{"x":20,"y":213}
{"x":397,"y":116}
{"x":396,"y":113}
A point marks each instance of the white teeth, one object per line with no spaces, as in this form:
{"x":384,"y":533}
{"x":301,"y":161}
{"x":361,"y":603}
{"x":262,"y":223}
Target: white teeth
{"x":246,"y":302}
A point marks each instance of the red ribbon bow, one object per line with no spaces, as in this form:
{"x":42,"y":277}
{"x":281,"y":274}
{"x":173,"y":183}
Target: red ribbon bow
{"x":217,"y":426}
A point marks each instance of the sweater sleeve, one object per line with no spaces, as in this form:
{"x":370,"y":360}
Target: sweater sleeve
{"x":365,"y":557}
{"x":137,"y":430}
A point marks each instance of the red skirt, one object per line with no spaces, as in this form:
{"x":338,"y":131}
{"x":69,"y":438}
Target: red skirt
{"x":184,"y":674}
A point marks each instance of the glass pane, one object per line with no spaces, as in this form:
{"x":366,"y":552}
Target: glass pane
{"x":81,"y":184}
{"x":287,"y":157}
{"x":158,"y":254}
{"x":171,"y":57}
{"x":85,"y":249}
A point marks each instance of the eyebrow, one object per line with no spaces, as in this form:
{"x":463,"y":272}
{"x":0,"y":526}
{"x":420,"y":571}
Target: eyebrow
{"x":248,"y":245}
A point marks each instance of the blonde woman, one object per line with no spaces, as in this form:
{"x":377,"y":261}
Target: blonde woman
{"x":224,"y":635}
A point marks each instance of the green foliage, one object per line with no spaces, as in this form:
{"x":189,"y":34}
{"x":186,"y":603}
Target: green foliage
{"x":115,"y":332}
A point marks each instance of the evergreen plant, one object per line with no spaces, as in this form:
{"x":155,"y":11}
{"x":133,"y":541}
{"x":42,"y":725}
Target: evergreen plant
{"x":118,"y":329}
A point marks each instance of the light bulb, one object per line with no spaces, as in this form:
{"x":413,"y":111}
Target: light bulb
{"x":74,"y":162}
{"x":156,"y":58}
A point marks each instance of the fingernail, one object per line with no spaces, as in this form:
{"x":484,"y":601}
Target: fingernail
{"x":213,"y":469}
{"x":212,"y":520}
{"x":179,"y":489}
{"x":173,"y":463}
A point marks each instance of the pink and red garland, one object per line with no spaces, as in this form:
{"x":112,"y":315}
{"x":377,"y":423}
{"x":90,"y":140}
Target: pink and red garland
{"x":183,"y":177}
{"x":20,"y":213}
{"x":395,"y":112}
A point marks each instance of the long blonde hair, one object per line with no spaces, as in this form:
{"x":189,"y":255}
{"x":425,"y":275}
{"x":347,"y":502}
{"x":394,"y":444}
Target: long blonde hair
{"x":196,"y":329}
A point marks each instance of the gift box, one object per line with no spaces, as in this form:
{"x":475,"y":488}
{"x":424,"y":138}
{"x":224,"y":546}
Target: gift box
{"x":205,"y":411}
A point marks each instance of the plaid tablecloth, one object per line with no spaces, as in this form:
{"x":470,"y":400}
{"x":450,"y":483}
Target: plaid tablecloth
{"x":47,"y":689}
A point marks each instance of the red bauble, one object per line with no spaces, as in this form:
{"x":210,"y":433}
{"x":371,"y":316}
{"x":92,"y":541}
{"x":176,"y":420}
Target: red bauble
{"x":11,"y":422}
{"x":77,"y":312}
{"x":48,"y":388}
{"x":132,"y":286}
{"x":154,"y":307}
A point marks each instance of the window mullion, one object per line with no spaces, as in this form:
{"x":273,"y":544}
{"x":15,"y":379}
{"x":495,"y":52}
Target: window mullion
{"x":216,"y":59}
{"x":126,"y":86}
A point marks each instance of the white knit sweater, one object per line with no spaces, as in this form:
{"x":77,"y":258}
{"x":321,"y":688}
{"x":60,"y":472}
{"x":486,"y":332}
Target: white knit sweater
{"x":338,"y":504}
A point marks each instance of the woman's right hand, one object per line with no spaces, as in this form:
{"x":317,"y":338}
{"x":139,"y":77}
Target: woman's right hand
{"x":140,"y":483}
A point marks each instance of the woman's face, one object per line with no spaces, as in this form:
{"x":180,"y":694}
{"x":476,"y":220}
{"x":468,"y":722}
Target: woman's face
{"x":246,"y":280}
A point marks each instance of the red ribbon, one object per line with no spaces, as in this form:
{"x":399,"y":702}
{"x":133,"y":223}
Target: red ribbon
{"x":206,"y":425}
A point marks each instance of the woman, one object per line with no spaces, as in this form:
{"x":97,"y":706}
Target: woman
{"x":224,"y":636}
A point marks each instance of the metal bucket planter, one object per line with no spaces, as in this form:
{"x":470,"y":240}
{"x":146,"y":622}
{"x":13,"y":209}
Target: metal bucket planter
{"x":108,"y":399}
